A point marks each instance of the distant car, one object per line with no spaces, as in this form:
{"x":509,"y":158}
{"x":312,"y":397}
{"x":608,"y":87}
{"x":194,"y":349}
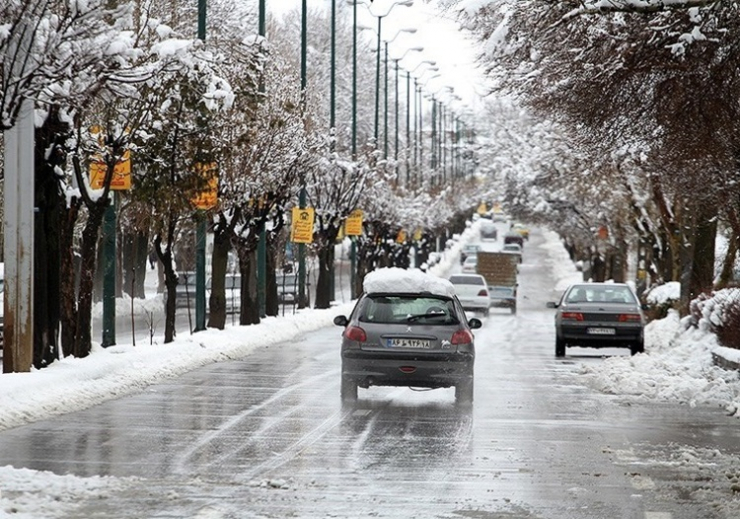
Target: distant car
{"x":488,"y":231}
{"x":407,"y":328}
{"x":499,"y":217}
{"x":522,"y":229}
{"x":185,"y":289}
{"x":513,"y":248}
{"x":469,"y":250}
{"x":470,"y":264}
{"x":599,"y":315}
{"x":472,"y":292}
{"x":503,"y":297}
{"x":514,"y":237}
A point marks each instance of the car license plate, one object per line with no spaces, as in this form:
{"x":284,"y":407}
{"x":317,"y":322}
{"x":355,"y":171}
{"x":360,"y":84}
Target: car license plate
{"x":417,"y":344}
{"x":600,"y":331}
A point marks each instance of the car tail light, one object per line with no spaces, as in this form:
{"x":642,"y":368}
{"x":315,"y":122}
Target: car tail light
{"x":355,"y":333}
{"x":483,"y":293}
{"x":573,"y":316}
{"x":462,"y":337}
{"x":629,"y":318}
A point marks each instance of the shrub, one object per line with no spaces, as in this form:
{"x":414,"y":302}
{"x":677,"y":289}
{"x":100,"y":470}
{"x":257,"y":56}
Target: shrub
{"x":719,"y":313}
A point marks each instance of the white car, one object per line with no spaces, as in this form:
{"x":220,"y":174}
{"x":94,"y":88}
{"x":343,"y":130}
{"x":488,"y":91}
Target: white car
{"x":472,"y":292}
{"x":470,"y":264}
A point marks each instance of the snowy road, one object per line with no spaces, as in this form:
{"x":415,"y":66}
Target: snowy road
{"x":267,"y":437}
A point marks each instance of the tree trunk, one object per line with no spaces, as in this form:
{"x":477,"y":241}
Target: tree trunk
{"x":272,"y":305}
{"x":219,"y":263}
{"x":88,"y":253}
{"x":728,"y":266}
{"x":134,"y":255}
{"x":323,"y":284}
{"x":47,"y":254}
{"x":249,"y":311}
{"x":702,"y":268}
{"x":69,"y":277}
{"x":170,"y":281}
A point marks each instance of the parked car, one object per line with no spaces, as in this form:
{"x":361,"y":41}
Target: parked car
{"x":287,"y":288}
{"x":407,"y":328}
{"x":488,"y":231}
{"x":470,"y":264}
{"x":599,"y":315}
{"x":472,"y":292}
{"x":522,"y":229}
{"x":514,"y":237}
{"x":469,"y":250}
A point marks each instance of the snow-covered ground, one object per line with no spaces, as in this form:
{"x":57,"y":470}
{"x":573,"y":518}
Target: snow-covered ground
{"x":677,"y":366}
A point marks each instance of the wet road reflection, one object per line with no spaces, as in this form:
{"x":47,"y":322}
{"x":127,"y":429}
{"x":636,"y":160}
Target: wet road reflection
{"x":267,"y":437}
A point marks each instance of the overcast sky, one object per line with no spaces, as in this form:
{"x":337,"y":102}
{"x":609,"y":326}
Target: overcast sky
{"x":442,"y":39}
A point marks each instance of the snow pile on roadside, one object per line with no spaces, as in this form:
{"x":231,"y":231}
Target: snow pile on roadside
{"x":559,"y":262}
{"x":74,"y":384}
{"x":677,"y":366}
{"x":34,"y":494}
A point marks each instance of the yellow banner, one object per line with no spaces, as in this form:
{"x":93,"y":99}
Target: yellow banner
{"x":121,"y":180}
{"x":207,"y":198}
{"x":353,"y":225}
{"x":301,"y":229}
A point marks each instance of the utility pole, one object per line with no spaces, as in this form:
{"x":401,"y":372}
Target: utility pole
{"x":262,"y":243}
{"x":19,"y":218}
{"x":200,"y":230}
{"x":302,"y":300}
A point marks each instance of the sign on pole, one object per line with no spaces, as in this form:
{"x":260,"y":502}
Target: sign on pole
{"x":353,"y":225}
{"x":207,"y":196}
{"x":301,"y":229}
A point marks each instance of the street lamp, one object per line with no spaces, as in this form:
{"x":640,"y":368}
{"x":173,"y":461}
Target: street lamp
{"x":380,"y":16}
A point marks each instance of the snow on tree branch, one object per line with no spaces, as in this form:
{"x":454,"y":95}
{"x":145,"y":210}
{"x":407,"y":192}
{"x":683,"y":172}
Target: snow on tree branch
{"x":636,"y":6}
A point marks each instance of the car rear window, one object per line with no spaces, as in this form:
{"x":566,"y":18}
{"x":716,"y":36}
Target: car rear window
{"x":467,"y":280}
{"x":408,"y":308}
{"x":601,"y":294}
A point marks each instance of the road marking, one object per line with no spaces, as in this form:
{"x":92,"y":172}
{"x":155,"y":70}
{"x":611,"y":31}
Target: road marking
{"x":658,"y":515}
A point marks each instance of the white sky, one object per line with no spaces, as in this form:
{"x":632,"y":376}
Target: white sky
{"x":453,"y":49}
{"x":676,"y":367}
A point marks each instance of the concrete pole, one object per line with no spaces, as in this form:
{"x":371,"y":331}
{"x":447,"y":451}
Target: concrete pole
{"x":19,"y":226}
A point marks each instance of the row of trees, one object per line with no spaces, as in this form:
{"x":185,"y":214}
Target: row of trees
{"x":113,"y":77}
{"x":626,"y":114}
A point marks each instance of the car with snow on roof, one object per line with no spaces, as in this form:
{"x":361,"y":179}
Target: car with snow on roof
{"x":408,"y":328}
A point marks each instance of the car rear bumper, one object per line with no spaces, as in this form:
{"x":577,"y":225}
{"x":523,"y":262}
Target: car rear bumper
{"x":503,"y":303}
{"x":578,"y":336}
{"x":442,"y":370}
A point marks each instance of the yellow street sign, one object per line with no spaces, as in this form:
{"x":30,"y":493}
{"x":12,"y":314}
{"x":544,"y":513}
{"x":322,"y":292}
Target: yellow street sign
{"x":353,"y":225}
{"x":482,"y":208}
{"x":121,"y":180}
{"x":401,"y":236}
{"x":301,"y":228}
{"x":418,"y":235}
{"x":207,"y":197}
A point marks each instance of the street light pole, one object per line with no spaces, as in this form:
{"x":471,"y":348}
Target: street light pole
{"x":200,"y":226}
{"x":262,"y":243}
{"x":302,"y":196}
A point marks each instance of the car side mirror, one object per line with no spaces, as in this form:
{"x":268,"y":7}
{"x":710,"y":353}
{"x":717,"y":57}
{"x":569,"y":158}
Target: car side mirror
{"x":550,"y":304}
{"x":475,"y":323}
{"x":341,"y":320}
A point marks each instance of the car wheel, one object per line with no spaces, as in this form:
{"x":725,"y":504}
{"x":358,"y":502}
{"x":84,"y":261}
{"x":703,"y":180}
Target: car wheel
{"x":638,"y":347}
{"x":348,"y":391}
{"x":464,"y":392}
{"x":559,"y":347}
{"x":513,"y":309}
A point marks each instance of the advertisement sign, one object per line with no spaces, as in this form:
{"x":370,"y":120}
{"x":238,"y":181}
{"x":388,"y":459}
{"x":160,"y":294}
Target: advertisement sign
{"x":353,"y":225}
{"x":121,"y":180}
{"x":301,"y":228}
{"x":207,"y":197}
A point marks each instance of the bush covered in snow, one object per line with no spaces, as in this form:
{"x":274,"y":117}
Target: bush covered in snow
{"x":661,"y":299}
{"x":719,"y":313}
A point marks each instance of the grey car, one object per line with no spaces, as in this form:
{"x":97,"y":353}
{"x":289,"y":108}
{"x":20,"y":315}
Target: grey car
{"x":599,"y":315}
{"x":408,"y":339}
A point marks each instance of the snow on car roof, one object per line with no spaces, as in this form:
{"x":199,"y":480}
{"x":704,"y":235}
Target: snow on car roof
{"x":397,"y":280}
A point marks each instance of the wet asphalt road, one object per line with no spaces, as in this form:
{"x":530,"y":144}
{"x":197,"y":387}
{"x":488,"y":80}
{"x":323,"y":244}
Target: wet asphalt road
{"x":267,"y":437}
